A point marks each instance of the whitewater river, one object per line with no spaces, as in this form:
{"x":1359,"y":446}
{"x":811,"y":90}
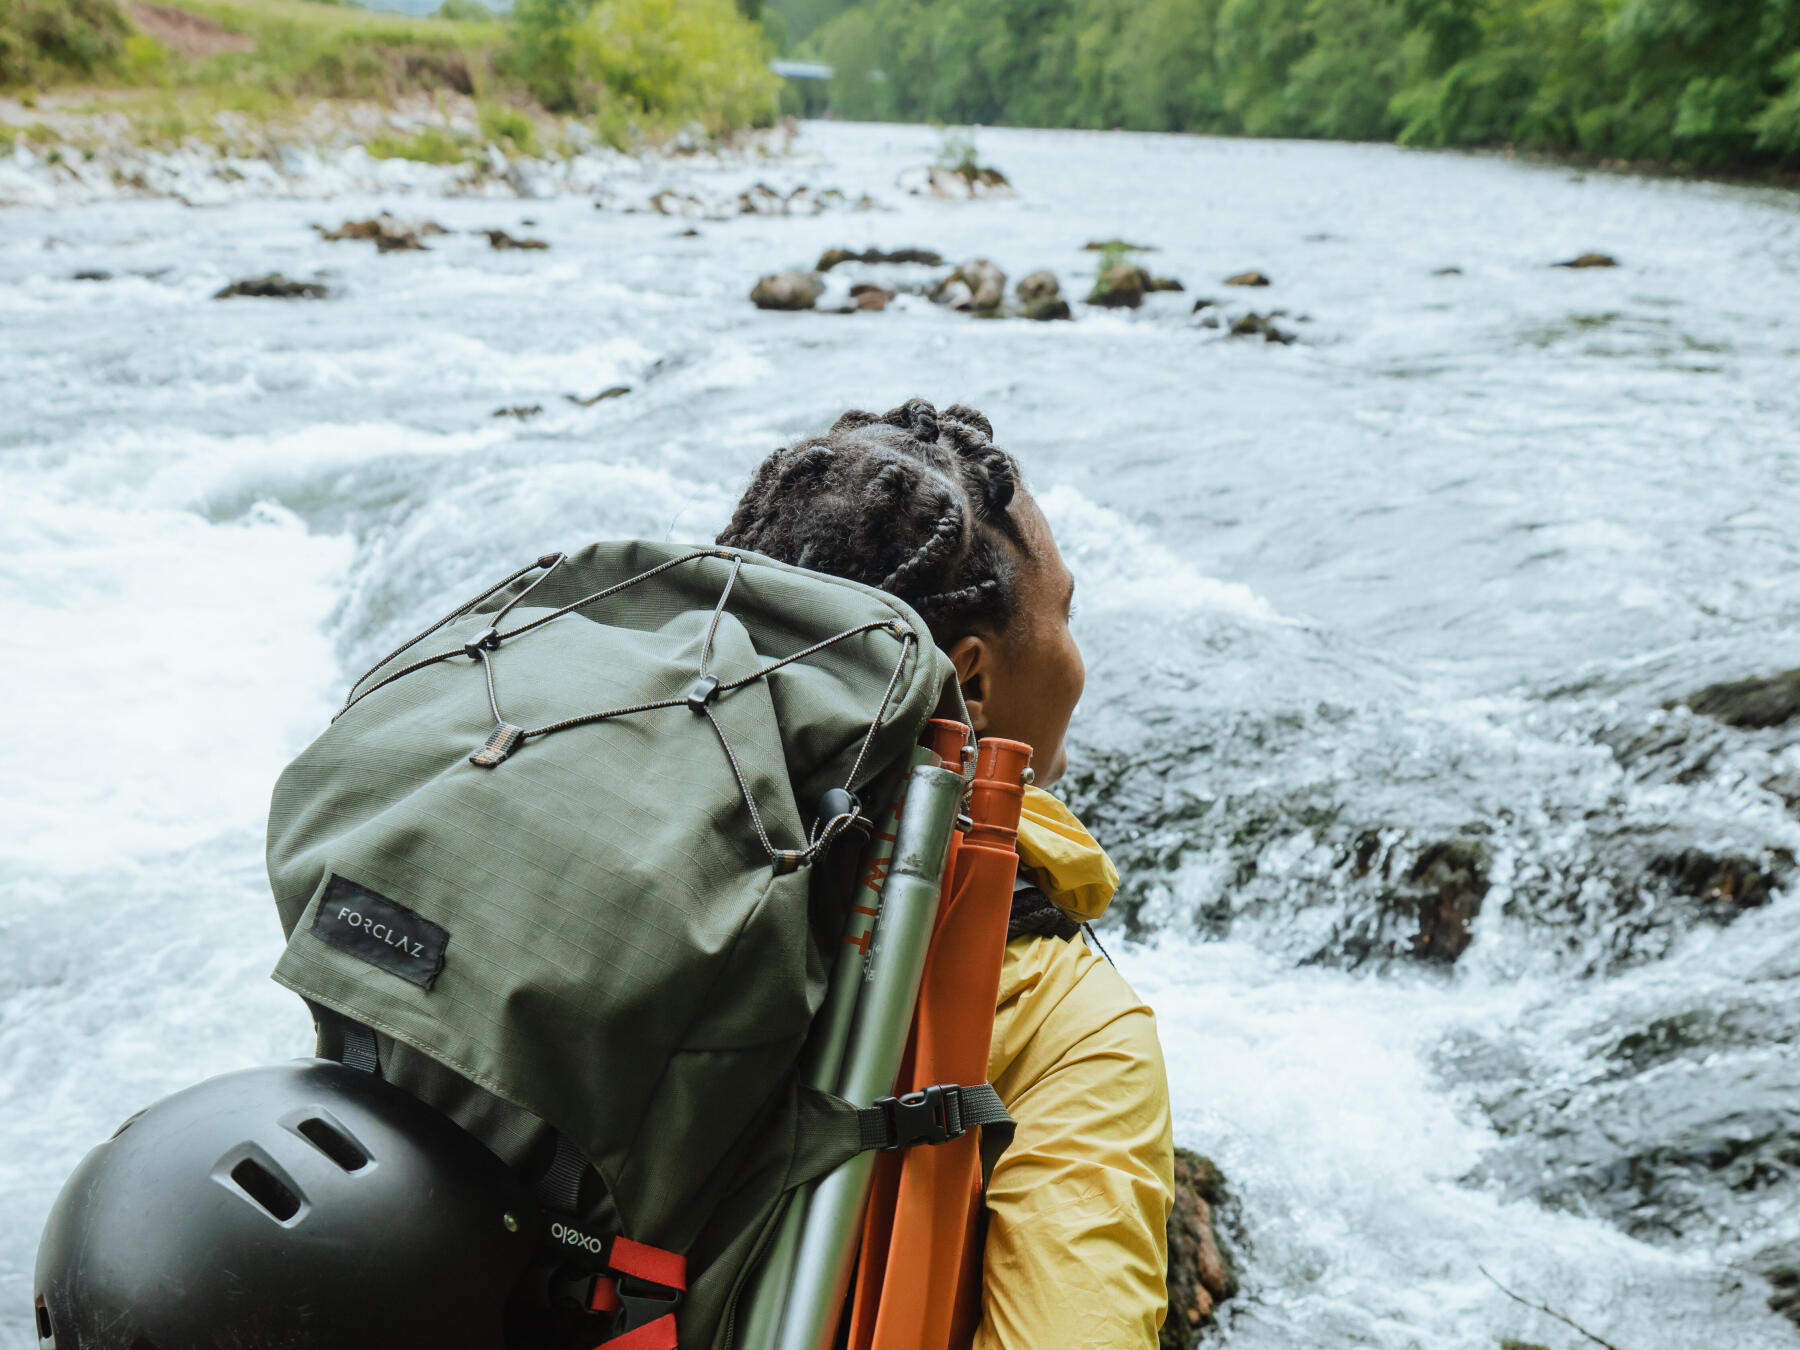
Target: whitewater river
{"x":1425,"y":577}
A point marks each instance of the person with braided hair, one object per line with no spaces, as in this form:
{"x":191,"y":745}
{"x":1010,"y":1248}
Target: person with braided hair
{"x":922,"y":504}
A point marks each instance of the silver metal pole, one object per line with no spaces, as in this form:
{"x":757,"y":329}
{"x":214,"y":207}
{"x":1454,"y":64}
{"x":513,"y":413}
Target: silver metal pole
{"x":823,"y":1058}
{"x":896,"y":963}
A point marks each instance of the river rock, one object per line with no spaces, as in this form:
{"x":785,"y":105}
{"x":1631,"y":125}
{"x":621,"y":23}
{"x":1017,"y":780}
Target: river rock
{"x":500,"y":239}
{"x":1120,"y":285}
{"x":522,"y":411}
{"x":792,"y":290}
{"x":1248,"y":279}
{"x":958,"y":184}
{"x":1784,"y":1281}
{"x":1727,"y":884}
{"x":870,"y":296}
{"x":1200,"y":1267}
{"x":833,"y":257}
{"x":1753,"y":704}
{"x":611,"y":392}
{"x":1040,"y":296}
{"x":1451,"y":880}
{"x":977,"y":287}
{"x":1258,"y":325}
{"x":1116,"y":246}
{"x":1590,"y":260}
{"x":1164,"y":284}
{"x":388,"y":233}
{"x":274,"y":286}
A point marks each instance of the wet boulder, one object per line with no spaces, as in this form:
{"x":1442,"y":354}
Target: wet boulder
{"x":1451,"y":880}
{"x":793,"y":290}
{"x":523,"y":412}
{"x":1262,"y":326}
{"x":1116,"y":246}
{"x":274,"y":286}
{"x":1200,"y":1267}
{"x":1119,"y":285}
{"x":610,"y":392}
{"x":834,"y":257}
{"x":1164,"y":284}
{"x":1248,"y":279}
{"x":500,"y":239}
{"x":388,"y":233}
{"x":1753,"y":704}
{"x":1590,"y":260}
{"x":1040,"y":296}
{"x":977,"y":287}
{"x":962,"y":182}
{"x":867,"y":295}
{"x":1725,"y":884}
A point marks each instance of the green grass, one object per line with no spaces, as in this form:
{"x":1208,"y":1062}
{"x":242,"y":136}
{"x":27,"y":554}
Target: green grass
{"x":429,"y":145}
{"x":631,"y":69}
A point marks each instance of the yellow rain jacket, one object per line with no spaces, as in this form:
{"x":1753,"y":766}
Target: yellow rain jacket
{"x":1078,"y":1207}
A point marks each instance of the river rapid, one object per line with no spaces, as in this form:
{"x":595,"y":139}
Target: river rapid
{"x":1381,"y":619}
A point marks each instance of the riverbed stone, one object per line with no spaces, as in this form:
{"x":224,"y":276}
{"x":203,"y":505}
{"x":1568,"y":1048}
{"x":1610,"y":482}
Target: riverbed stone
{"x":1451,"y":877}
{"x":1119,"y":285}
{"x":388,"y":233}
{"x":835,"y":257}
{"x":868,"y":295}
{"x":1590,"y":260}
{"x":1753,"y":704}
{"x":274,"y":286}
{"x":1262,"y":326}
{"x":500,"y":239}
{"x":1040,"y":296}
{"x":792,"y":290}
{"x":1726,"y":884}
{"x":1248,"y":279}
{"x":976,"y":287}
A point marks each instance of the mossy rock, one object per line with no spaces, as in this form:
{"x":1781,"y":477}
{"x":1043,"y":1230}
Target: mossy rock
{"x":1201,"y":1269}
{"x":1753,"y":704}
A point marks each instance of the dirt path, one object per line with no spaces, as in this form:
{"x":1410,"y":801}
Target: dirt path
{"x":187,"y":34}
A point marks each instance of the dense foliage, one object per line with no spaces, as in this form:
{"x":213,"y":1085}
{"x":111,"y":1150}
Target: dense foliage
{"x":700,"y":59}
{"x":1703,"y":81}
{"x":42,"y":40}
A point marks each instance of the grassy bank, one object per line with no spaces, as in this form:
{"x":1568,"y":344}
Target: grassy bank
{"x":1708,"y":85}
{"x":629,"y":69}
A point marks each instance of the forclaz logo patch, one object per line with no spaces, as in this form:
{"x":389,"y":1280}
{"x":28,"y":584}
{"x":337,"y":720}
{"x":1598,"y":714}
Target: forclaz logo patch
{"x":380,"y":931}
{"x":369,"y":926}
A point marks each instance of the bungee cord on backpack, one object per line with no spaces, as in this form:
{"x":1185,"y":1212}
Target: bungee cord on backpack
{"x":839,"y":809}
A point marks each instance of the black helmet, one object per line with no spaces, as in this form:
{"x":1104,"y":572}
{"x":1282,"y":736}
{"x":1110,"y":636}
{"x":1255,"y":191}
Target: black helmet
{"x":302,"y":1206}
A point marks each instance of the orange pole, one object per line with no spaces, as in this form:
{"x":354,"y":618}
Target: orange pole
{"x":919,"y":1286}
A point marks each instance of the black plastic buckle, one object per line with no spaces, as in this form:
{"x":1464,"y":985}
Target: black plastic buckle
{"x":488,"y":639}
{"x":701,"y":692}
{"x":641,"y":1303}
{"x":931,"y":1115}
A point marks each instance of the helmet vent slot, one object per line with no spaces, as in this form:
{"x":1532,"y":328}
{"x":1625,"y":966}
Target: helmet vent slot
{"x":45,"y":1332}
{"x":267,"y":1189}
{"x":331,"y":1140}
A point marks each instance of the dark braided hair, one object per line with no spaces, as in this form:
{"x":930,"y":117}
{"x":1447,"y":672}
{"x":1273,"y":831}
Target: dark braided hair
{"x":913,"y":502}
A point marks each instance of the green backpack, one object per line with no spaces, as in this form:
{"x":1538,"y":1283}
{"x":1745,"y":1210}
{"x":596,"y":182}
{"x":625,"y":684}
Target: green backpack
{"x":571,"y":856}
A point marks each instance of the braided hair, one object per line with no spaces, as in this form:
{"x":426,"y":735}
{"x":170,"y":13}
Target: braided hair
{"x":913,"y":501}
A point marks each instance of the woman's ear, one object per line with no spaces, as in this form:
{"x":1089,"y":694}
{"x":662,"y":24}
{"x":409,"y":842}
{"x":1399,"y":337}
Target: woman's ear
{"x":973,"y":658}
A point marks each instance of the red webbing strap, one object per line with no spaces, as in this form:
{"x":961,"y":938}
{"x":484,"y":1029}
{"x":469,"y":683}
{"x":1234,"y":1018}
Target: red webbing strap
{"x":657,"y":1335}
{"x":650,"y":1264}
{"x":604,"y":1297}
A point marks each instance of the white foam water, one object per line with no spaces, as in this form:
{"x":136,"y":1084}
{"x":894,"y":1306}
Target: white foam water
{"x":1429,"y":574}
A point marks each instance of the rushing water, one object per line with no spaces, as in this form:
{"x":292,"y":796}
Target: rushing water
{"x":1426,"y":577}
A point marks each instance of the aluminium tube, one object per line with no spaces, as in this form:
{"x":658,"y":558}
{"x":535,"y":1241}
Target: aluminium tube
{"x":823,"y":1057}
{"x":896,"y":963}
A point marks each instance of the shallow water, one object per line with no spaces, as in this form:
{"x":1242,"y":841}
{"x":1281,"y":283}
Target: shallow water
{"x":1427,"y":575}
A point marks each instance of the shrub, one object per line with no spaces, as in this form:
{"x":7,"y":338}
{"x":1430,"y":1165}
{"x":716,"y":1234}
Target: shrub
{"x":46,"y":40}
{"x":677,"y":60}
